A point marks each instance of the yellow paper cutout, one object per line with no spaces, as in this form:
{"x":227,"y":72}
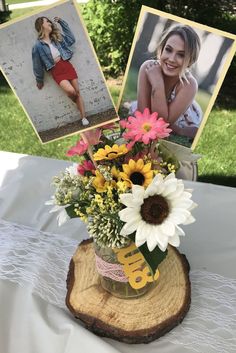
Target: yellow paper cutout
{"x":135,"y":267}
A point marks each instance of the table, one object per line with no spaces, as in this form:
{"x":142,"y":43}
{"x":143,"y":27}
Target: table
{"x":33,"y":316}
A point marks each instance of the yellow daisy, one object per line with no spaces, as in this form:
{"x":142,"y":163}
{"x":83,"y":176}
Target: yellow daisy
{"x":137,"y":173}
{"x":99,"y":182}
{"x":110,"y":152}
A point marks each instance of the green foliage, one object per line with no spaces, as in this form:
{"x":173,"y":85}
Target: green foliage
{"x":226,"y":98}
{"x":111,"y":28}
{"x":4,"y":16}
{"x":214,"y":13}
{"x":71,"y":212}
{"x":111,"y":24}
{"x":153,"y":258}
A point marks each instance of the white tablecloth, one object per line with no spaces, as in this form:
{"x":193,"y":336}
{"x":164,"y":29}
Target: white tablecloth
{"x":33,"y":317}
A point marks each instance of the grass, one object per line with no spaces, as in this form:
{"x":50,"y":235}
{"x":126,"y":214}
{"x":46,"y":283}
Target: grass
{"x":22,"y":12}
{"x":114,"y":88}
{"x":17,"y":133}
{"x":217,"y":143}
{"x":10,"y":2}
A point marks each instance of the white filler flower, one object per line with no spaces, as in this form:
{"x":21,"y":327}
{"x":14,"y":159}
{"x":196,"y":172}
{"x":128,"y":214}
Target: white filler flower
{"x":155,"y":213}
{"x":72,"y":170}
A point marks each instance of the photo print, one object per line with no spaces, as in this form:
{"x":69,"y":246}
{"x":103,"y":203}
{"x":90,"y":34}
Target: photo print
{"x":175,"y":68}
{"x":49,"y":62}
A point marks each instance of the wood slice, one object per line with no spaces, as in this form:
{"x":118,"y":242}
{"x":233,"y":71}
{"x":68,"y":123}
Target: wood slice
{"x":137,"y":320}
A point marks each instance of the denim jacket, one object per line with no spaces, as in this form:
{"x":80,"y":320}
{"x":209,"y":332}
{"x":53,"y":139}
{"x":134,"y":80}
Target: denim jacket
{"x":41,"y":53}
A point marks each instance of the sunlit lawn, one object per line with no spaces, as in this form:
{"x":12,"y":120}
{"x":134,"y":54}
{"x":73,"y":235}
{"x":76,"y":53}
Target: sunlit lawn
{"x":22,"y":12}
{"x":9,"y":2}
{"x":217,"y":145}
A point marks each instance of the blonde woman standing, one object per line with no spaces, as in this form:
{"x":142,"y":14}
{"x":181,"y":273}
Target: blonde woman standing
{"x":52,"y":52}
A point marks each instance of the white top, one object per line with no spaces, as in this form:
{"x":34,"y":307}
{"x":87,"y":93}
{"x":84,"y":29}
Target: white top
{"x":55,"y":52}
{"x":193,"y":115}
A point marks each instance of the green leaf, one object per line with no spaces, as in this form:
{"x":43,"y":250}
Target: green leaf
{"x":70,"y":211}
{"x":152,"y":258}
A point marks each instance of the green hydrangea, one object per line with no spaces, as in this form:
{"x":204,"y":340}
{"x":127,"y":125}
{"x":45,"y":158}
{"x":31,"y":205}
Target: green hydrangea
{"x":105,"y":229}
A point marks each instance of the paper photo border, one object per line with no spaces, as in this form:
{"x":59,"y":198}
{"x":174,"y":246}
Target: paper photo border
{"x":202,"y":27}
{"x":38,"y":11}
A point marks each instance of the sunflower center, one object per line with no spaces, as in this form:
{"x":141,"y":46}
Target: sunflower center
{"x":154,"y":209}
{"x":111,"y":154}
{"x":147,"y":127}
{"x":137,"y":178}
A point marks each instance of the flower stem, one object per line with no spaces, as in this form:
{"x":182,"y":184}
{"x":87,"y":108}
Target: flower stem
{"x":89,"y":149}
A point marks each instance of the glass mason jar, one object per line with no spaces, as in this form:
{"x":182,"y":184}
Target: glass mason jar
{"x":112,"y":276}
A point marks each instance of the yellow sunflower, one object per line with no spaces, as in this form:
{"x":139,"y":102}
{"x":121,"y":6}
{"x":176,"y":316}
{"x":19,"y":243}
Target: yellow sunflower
{"x":110,"y":152}
{"x":137,"y":173}
{"x":99,"y":182}
{"x":115,"y":173}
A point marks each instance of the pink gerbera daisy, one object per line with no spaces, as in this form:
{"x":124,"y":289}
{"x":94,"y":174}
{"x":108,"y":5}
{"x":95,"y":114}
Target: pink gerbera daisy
{"x":85,"y":166}
{"x":80,"y":148}
{"x":145,"y":127}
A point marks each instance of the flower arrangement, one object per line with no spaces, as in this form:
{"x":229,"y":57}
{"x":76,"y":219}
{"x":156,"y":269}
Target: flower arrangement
{"x":124,"y":187}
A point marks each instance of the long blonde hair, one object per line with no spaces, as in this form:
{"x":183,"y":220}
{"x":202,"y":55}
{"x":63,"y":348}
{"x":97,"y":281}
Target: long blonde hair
{"x":55,"y":35}
{"x":192,"y":45}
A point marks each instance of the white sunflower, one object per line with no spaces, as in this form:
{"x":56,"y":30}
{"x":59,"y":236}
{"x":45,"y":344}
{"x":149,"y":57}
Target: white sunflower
{"x":155,"y":213}
{"x":62,"y":216}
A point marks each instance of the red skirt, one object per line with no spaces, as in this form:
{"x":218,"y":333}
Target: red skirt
{"x":63,"y":70}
